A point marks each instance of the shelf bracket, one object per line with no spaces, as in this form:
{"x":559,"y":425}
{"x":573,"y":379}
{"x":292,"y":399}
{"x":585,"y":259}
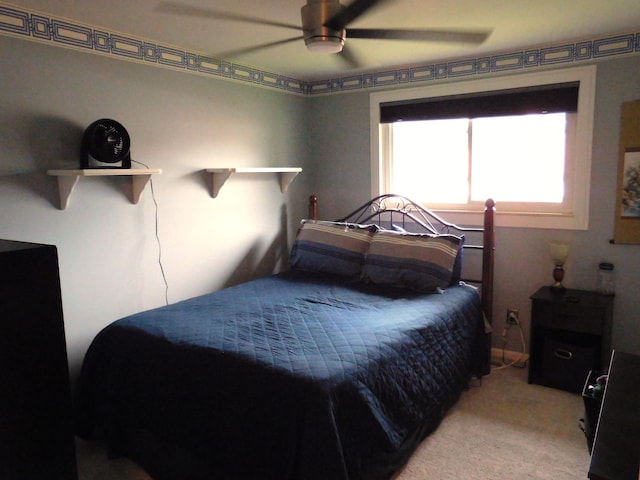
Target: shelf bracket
{"x":285,"y":180}
{"x":138,"y":183}
{"x":218,"y":179}
{"x":65,"y":187}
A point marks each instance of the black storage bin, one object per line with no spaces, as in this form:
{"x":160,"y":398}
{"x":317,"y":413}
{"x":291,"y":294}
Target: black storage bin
{"x":592,"y":404}
{"x":567,"y":361}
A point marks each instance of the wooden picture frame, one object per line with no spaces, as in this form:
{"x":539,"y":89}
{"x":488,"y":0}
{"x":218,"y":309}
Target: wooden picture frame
{"x":627,"y":223}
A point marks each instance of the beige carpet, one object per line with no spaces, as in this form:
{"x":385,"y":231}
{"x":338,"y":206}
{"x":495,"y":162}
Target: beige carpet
{"x":504,"y":429}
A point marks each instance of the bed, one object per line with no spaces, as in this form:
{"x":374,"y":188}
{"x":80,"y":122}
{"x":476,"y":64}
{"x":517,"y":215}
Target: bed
{"x":334,"y":369}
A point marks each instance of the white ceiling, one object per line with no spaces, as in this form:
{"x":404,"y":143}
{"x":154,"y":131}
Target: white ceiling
{"x":514,"y":24}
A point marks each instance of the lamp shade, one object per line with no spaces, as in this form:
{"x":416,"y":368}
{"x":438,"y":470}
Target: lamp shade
{"x":559,"y":252}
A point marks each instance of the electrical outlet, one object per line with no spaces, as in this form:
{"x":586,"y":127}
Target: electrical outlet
{"x":512,"y":316}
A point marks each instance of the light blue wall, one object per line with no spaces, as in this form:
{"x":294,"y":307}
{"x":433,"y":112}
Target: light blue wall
{"x":184,"y":123}
{"x":178,"y":122}
{"x":341,"y":145}
{"x":340,"y":150}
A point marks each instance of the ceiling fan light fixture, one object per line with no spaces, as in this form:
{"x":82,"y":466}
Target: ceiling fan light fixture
{"x":317,"y":36}
{"x":324,"y":44}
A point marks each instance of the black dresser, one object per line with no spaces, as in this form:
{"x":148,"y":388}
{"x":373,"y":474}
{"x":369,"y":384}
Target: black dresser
{"x":616,"y":449}
{"x":36,"y":430}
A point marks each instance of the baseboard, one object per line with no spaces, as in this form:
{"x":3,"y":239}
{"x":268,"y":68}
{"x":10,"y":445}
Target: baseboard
{"x":510,"y":356}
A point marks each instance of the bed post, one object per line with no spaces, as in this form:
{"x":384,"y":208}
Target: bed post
{"x":313,"y":207}
{"x":488,"y":252}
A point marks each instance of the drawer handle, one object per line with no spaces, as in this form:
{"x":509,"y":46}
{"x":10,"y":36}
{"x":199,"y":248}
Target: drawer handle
{"x":563,"y":354}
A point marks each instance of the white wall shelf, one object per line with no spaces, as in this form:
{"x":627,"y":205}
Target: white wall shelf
{"x":67,"y":179}
{"x":220,"y":175}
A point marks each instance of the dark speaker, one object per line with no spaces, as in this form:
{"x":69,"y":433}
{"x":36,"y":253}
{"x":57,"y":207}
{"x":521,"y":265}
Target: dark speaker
{"x":36,"y":428}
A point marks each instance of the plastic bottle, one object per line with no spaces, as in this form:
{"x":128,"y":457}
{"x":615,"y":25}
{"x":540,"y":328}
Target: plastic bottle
{"x":606,"y":279}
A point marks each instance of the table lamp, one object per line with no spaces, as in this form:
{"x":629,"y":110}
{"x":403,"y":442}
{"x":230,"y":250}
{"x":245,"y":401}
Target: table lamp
{"x":559,"y":253}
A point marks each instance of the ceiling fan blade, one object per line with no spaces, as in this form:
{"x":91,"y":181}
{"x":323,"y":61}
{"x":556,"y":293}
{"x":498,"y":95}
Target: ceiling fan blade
{"x":191,"y":11}
{"x":347,"y":56}
{"x":462,"y":36}
{"x":349,"y":13}
{"x":243,"y":51}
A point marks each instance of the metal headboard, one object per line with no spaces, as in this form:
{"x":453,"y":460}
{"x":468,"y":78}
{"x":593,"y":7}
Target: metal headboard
{"x":396,"y":209}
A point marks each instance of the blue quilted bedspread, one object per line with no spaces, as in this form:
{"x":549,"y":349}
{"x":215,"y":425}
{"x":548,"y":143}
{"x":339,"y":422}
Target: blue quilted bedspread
{"x":287,"y":377}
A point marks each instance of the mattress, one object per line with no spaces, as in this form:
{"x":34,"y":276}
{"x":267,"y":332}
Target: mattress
{"x":293,"y":376}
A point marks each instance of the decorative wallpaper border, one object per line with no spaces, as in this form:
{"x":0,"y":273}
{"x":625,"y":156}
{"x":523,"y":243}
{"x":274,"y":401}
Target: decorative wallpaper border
{"x":21,"y":23}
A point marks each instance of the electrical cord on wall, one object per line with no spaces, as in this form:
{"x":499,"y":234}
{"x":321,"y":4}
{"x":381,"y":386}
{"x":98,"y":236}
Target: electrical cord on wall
{"x":504,"y":344}
{"x":153,"y":196}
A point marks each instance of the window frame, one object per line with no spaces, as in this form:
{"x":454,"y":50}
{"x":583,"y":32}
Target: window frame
{"x":578,"y":172}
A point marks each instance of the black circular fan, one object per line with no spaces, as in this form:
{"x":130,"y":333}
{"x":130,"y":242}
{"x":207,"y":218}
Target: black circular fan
{"x":106,"y":144}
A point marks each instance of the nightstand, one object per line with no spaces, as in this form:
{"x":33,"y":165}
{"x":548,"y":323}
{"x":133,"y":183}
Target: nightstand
{"x":570,"y":335}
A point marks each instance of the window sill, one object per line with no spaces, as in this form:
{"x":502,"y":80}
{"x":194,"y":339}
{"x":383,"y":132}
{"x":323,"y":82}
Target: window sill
{"x":518,"y":220}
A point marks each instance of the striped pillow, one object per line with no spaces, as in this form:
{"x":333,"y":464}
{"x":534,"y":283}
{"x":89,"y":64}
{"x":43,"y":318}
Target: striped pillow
{"x":415,"y":261}
{"x":330,"y":247}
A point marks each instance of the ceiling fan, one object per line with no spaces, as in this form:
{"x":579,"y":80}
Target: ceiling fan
{"x":324,"y":26}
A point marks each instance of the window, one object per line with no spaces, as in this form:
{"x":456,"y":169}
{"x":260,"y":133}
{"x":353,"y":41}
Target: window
{"x":458,"y":162}
{"x":524,"y":141}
